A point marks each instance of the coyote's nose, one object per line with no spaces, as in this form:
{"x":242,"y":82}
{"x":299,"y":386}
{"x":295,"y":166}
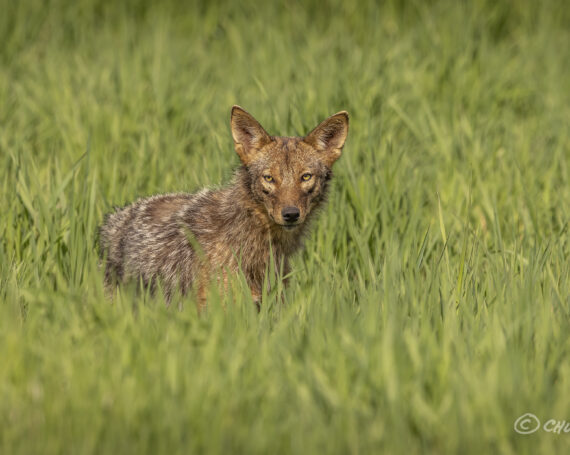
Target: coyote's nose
{"x":290,"y":214}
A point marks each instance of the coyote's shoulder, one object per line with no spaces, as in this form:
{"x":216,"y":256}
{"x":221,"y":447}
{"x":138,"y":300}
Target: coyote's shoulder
{"x":182,"y":241}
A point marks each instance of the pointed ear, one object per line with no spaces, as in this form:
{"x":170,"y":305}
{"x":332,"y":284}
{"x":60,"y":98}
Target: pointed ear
{"x":328,"y":138}
{"x":249,"y":136}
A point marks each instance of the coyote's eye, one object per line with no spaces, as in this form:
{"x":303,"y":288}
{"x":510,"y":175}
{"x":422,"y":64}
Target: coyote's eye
{"x":268,"y":178}
{"x":306,"y":177}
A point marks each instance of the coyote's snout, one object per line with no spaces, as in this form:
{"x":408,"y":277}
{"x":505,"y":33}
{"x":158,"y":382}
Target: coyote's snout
{"x":260,"y":217}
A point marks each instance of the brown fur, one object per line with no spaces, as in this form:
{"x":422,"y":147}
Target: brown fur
{"x":184,"y":241}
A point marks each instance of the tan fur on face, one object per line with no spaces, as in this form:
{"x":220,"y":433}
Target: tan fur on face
{"x":286,"y":160}
{"x":182,"y":239}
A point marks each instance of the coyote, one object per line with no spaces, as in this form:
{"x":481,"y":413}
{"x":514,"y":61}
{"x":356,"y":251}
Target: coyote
{"x":181,"y":242}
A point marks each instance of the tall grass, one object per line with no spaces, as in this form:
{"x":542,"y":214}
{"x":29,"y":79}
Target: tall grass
{"x":431,"y":306}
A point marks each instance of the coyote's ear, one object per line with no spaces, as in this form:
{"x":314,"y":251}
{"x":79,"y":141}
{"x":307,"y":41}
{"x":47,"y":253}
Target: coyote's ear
{"x":249,"y":136}
{"x":328,"y":138}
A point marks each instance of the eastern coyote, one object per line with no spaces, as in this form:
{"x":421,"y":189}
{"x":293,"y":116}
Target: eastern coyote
{"x":183,"y":241}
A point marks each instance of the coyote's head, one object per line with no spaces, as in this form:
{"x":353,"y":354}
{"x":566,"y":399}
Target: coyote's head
{"x":288,"y":175}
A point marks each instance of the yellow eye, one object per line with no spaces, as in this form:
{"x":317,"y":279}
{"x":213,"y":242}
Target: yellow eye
{"x":268,"y":178}
{"x":306,"y":177}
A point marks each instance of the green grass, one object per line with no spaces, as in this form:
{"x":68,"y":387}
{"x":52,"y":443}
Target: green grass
{"x":431,"y":306}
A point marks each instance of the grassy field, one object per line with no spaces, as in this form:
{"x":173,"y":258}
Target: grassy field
{"x":431,"y":306}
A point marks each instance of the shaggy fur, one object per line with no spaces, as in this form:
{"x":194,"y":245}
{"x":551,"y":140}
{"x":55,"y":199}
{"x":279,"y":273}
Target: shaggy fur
{"x":183,"y":241}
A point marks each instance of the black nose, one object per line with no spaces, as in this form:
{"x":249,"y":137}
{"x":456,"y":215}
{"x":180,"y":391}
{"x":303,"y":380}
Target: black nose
{"x":290,"y":214}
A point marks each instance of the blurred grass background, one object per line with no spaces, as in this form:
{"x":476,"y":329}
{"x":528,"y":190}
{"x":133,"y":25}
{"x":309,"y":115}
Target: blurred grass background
{"x":431,"y":306}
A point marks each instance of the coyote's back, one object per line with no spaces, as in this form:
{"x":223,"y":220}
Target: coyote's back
{"x":184,"y":241}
